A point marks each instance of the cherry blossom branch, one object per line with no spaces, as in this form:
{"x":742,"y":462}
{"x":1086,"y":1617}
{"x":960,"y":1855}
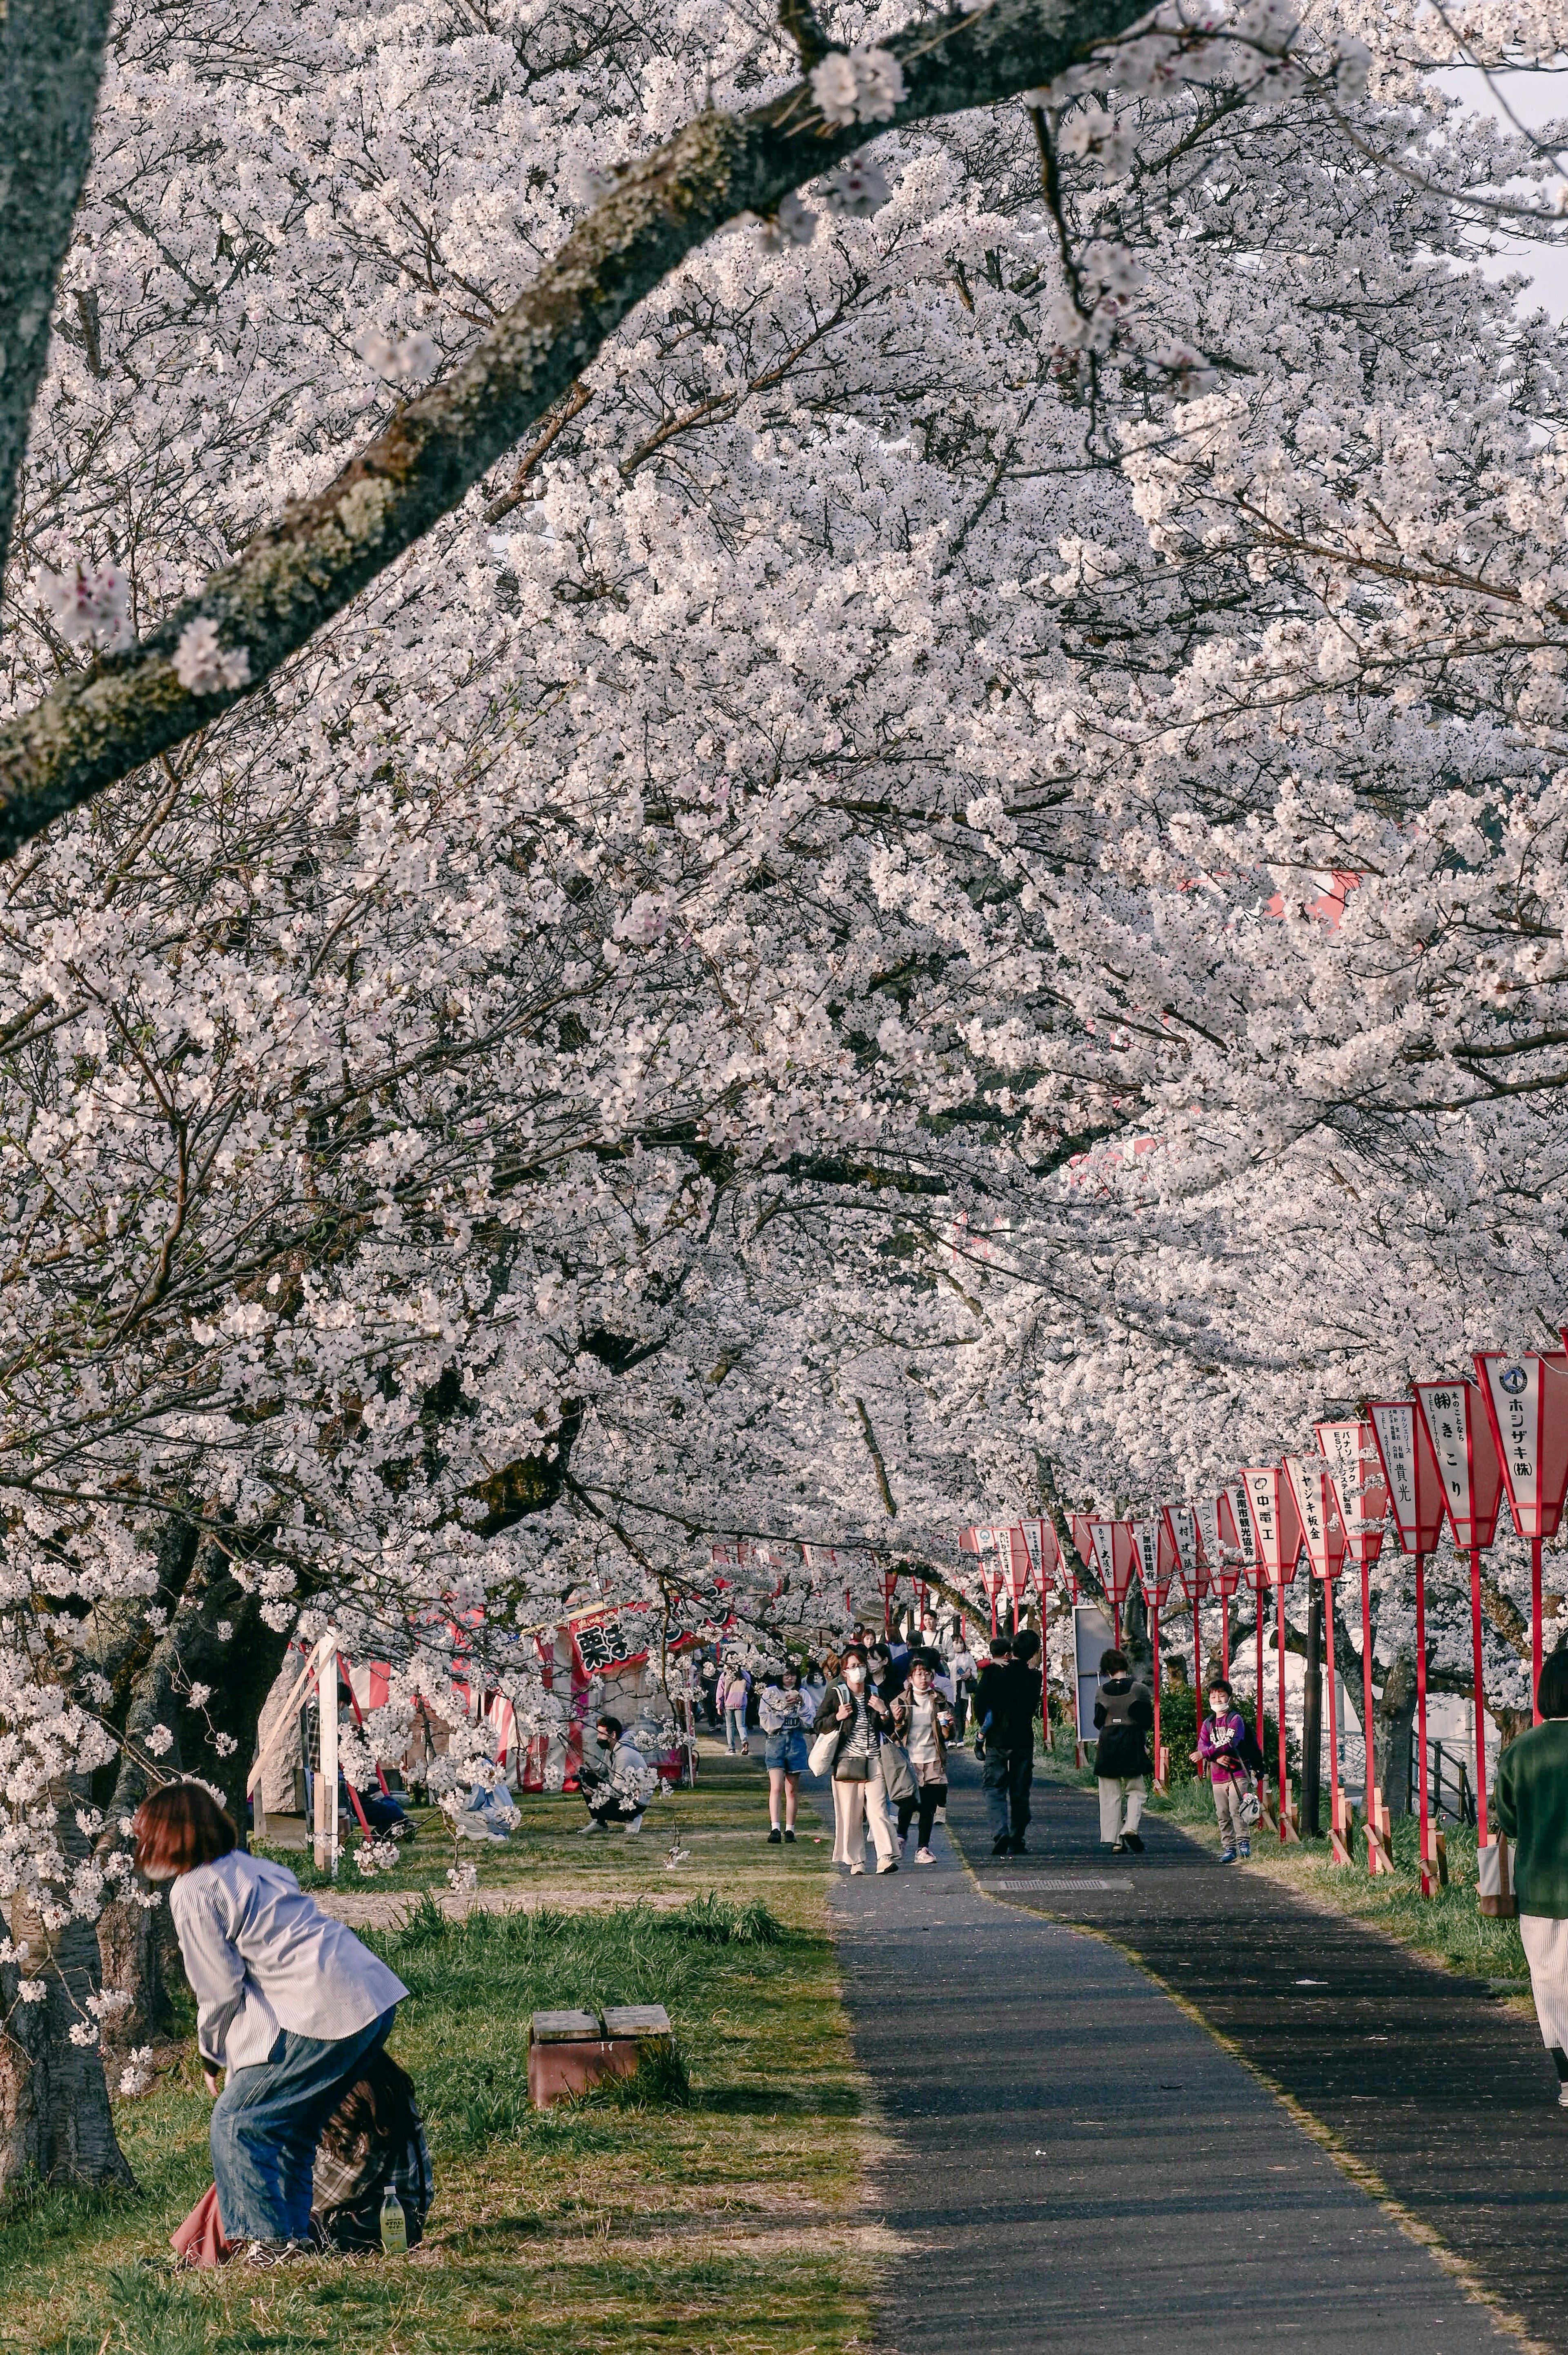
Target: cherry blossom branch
{"x":51,"y":62}
{"x":101,"y":722}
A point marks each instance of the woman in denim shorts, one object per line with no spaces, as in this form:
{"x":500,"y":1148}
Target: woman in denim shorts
{"x":784,"y":1712}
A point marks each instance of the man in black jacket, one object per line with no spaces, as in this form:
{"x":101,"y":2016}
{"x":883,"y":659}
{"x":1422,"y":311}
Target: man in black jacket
{"x":1007,"y":1701}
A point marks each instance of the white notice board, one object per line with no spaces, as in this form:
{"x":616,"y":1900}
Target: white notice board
{"x":1092,"y":1634}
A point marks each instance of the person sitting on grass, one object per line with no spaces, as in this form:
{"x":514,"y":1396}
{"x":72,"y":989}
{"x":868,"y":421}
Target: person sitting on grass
{"x":614,"y":1785}
{"x":375,"y":2138}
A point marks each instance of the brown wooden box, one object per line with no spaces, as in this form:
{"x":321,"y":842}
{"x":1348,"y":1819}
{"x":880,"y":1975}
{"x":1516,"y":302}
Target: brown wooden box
{"x":567,"y":2053}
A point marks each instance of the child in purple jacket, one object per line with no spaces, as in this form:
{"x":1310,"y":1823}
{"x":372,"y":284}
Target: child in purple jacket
{"x":1220,"y":1740}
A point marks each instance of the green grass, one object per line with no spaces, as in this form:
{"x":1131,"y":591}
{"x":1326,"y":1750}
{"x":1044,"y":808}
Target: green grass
{"x":712,"y":2207}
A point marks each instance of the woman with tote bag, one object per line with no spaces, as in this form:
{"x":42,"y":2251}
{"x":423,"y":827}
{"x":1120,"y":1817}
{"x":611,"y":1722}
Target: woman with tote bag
{"x":855,"y":1762}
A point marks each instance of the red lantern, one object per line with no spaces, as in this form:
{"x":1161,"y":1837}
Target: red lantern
{"x":1526,"y":1400}
{"x":1412,"y":1482}
{"x":1467,"y":1456}
{"x":1276,"y":1530}
{"x":1111,"y":1545}
{"x":1323,"y":1532}
{"x":1360,"y":1492}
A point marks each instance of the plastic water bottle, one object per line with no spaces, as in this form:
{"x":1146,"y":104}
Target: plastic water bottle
{"x":393,"y":2226}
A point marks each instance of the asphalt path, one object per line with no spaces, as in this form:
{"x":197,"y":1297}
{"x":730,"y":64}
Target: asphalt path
{"x":1071,"y":2157}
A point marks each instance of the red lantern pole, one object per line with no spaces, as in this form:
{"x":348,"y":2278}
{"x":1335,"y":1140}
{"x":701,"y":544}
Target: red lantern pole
{"x":1258,"y":1689}
{"x":1334,"y":1800}
{"x":1421,"y":1712}
{"x":1154,"y":1631}
{"x":1279,"y":1640}
{"x":1045,"y":1665}
{"x":1480,"y":1698}
{"x":1367,"y":1696}
{"x":1534,"y":1629}
{"x":1197,"y":1657}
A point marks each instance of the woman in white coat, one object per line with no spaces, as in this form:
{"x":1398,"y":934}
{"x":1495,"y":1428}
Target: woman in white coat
{"x":290,"y":2005}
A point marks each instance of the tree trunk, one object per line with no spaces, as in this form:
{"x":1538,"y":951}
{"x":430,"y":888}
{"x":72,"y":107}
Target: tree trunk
{"x":1392,"y":1718}
{"x":55,"y":2119}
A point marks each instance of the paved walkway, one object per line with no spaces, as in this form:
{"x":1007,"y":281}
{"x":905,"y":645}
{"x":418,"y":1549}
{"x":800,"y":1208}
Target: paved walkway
{"x":1075,"y":2161}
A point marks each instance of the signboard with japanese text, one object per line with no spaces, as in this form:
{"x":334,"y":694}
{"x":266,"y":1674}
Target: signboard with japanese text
{"x":1192,"y":1569}
{"x":1466,"y":1458}
{"x":1360,"y":1491}
{"x":1323,"y":1531}
{"x":1411,"y":1472}
{"x":1526,"y":1400}
{"x":1275,"y":1520}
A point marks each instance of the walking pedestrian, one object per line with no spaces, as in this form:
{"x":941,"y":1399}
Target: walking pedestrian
{"x":1007,"y":1700}
{"x":1124,"y":1713}
{"x":735,"y":1693}
{"x":1221,"y":1741}
{"x":289,"y":2007}
{"x":784,"y":1712}
{"x":855,"y":1769}
{"x":924,"y":1722}
{"x":1532,"y":1813}
{"x":963,"y":1669}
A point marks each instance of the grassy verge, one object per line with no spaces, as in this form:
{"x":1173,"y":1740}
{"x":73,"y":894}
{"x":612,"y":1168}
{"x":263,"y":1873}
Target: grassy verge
{"x":1447,"y":1926}
{"x":634,"y":2220}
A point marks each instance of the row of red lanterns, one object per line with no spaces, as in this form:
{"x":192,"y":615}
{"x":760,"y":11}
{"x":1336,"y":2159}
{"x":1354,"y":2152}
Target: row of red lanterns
{"x":1453,"y":1450}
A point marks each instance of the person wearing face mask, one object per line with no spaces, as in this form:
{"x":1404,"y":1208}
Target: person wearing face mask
{"x":922,"y":1721}
{"x":782,"y":1711}
{"x":857,"y":1715}
{"x":290,"y":2006}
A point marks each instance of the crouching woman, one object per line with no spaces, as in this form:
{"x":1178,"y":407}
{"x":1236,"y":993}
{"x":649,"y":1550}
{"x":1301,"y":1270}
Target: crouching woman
{"x":289,"y":2005}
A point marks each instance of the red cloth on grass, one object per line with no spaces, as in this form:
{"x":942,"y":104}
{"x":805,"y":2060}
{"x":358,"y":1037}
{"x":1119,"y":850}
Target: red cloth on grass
{"x":199,"y":2241}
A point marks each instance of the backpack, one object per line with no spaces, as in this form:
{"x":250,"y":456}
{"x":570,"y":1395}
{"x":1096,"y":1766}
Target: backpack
{"x":1247,"y":1750}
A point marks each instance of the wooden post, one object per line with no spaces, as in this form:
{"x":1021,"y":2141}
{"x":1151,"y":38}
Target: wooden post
{"x":326,"y":1772}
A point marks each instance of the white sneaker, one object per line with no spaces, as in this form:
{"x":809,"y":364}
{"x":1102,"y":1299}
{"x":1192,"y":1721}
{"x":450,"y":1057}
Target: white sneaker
{"x":923,"y":1856}
{"x":1562,"y":2098}
{"x":855,"y":1869}
{"x":941,"y":1815}
{"x":592,"y":1824}
{"x":634,"y":1826}
{"x":888,"y":1864}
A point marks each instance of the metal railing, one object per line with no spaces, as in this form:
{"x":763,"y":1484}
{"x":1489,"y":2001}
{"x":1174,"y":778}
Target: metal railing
{"x":1449,"y":1787}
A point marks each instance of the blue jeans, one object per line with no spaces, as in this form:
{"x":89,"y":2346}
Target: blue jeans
{"x":734,"y":1728}
{"x":268,"y":2121}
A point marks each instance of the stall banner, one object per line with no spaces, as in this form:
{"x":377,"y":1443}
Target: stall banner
{"x":1467,"y":1456}
{"x":1526,"y":1400}
{"x":1361,"y":1491}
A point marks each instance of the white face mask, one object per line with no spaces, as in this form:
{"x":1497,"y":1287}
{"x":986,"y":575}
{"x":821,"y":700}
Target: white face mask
{"x":855,"y":1674}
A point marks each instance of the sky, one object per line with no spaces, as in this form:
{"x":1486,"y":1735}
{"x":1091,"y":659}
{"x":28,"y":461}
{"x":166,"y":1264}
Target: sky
{"x":1534,"y":99}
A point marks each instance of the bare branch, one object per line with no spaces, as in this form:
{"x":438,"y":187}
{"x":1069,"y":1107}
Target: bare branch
{"x":100,"y":723}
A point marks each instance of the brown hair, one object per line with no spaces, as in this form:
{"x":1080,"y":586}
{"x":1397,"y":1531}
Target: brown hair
{"x":180,"y":1827}
{"x":378,"y":2107}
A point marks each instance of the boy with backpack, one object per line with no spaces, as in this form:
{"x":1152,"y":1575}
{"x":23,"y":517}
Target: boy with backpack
{"x":1223,"y":1747}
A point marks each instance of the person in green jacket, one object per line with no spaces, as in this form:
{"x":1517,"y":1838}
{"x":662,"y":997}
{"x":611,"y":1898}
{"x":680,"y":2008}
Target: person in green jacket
{"x":1532,"y":1811}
